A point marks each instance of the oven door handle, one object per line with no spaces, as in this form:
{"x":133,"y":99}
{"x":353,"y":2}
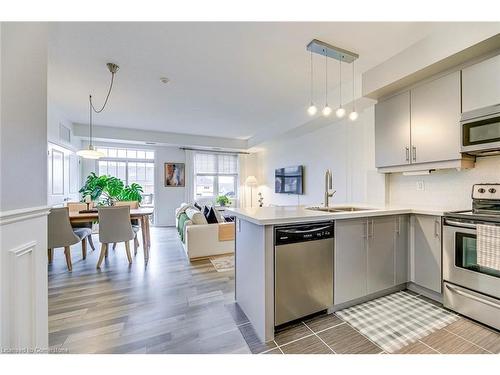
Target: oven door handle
{"x":459,"y":224}
{"x":467,"y":295}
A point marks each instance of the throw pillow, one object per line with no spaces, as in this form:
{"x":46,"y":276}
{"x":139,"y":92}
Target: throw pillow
{"x":220,"y":218}
{"x":197,"y":206}
{"x":206,"y":210}
{"x":196,"y":216}
{"x":212,"y":218}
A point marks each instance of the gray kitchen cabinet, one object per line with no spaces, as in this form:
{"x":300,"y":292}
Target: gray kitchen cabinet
{"x":392,"y":131}
{"x":371,"y":254}
{"x":481,"y":84}
{"x":426,"y":251}
{"x":435,"y":115}
{"x":380,"y":252}
{"x":350,"y":260}
{"x":401,"y":253}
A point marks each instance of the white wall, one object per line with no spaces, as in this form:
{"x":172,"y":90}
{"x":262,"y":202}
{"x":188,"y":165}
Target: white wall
{"x":447,"y":189}
{"x":23,"y":134}
{"x":167,"y":199}
{"x":23,"y":187}
{"x":346,"y":147}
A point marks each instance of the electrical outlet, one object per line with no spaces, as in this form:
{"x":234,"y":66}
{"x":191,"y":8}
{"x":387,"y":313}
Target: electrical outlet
{"x":420,"y":185}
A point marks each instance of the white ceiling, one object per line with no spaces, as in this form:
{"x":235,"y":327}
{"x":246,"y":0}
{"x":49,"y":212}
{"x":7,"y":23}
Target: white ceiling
{"x":231,"y":80}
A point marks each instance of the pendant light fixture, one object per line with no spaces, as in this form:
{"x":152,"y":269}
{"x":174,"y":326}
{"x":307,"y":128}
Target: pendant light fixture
{"x":326,"y":110}
{"x":353,"y":116}
{"x":90,"y":152}
{"x":340,"y":112}
{"x":341,"y":55}
{"x":311,"y":110}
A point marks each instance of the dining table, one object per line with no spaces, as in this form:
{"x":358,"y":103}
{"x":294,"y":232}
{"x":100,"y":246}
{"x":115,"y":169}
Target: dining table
{"x":141,"y":214}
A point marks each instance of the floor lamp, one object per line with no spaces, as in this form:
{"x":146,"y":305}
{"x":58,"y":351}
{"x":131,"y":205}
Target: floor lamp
{"x":251,"y":181}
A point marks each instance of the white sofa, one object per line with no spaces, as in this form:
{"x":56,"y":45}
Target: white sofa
{"x":202,"y":240}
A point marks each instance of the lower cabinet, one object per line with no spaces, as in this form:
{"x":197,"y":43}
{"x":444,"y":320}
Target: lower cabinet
{"x":426,"y":252}
{"x":380,"y":251}
{"x":402,"y":253}
{"x":370,"y":255}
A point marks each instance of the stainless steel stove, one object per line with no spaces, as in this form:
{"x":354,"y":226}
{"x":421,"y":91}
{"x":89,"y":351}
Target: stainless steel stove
{"x":472,"y":288}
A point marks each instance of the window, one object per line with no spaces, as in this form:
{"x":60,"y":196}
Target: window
{"x":130,"y":165}
{"x":215,"y":174}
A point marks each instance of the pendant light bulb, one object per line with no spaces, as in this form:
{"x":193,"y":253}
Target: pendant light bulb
{"x":340,"y":112}
{"x":312,"y":110}
{"x":327,"y":111}
{"x":353,"y":116}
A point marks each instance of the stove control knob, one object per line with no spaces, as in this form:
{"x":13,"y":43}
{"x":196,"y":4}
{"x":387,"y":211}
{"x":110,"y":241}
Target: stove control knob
{"x":481,"y":190}
{"x":492,"y":190}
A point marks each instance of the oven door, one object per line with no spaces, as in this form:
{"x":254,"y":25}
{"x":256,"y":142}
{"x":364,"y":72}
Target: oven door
{"x":460,"y":259}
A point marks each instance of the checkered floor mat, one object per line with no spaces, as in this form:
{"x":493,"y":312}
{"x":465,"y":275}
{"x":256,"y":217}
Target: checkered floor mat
{"x":396,"y":320}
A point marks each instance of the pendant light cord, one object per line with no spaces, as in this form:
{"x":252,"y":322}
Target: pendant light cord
{"x":326,"y":78}
{"x":340,"y":79}
{"x":92,"y":108}
{"x":353,"y":106}
{"x":312,"y":88}
{"x":107,"y":96}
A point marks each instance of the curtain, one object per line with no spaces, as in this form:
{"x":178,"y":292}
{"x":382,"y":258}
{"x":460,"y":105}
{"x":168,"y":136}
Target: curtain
{"x":189,"y":177}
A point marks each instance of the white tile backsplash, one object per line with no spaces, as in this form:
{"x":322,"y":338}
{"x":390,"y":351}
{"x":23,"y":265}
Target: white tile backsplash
{"x":446,"y":189}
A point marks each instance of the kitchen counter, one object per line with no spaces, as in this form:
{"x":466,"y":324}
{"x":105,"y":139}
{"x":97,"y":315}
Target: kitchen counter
{"x":300,"y":214}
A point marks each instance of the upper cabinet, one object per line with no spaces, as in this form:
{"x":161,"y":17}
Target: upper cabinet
{"x":481,"y":84}
{"x":419,"y":128}
{"x":392,"y":131}
{"x":435,"y":118}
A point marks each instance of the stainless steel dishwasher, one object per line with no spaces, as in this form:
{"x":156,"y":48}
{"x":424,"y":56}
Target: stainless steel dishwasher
{"x":303,"y":270}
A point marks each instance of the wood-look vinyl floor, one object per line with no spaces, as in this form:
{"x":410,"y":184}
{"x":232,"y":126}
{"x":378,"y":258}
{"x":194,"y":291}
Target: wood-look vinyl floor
{"x":168,"y":306}
{"x":174,"y":306}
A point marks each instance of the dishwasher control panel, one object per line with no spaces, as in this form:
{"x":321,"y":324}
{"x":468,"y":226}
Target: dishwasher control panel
{"x":303,"y":232}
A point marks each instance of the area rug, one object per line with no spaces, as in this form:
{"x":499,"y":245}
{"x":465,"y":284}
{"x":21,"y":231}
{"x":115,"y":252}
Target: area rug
{"x":396,"y":320}
{"x":223,"y":263}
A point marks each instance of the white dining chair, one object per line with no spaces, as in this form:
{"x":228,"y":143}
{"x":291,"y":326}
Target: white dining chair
{"x":61,"y":234}
{"x":135,"y":222}
{"x":114,"y":227}
{"x":77,"y":207}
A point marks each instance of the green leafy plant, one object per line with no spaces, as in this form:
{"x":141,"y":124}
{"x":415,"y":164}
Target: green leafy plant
{"x":106,"y":189}
{"x":223,"y":200}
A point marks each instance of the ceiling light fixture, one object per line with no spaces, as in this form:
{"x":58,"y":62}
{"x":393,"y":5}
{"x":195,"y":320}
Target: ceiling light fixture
{"x":164,"y":80}
{"x":327,"y":110}
{"x":90,"y":152}
{"x":312,"y":108}
{"x":341,"y":55}
{"x":353,"y":116}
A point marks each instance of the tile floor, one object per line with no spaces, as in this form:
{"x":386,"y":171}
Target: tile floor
{"x":328,"y":334}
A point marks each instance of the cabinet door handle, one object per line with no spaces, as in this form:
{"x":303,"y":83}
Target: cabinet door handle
{"x":436,"y":228}
{"x":365,"y":231}
{"x":398,"y":226}
{"x":407,"y":149}
{"x":414,"y":153}
{"x":371,"y":235}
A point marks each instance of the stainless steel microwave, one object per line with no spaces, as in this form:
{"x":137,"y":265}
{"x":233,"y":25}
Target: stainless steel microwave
{"x":481,"y":131}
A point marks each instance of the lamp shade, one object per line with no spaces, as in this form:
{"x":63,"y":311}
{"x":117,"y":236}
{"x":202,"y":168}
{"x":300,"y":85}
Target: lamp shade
{"x":251,"y":181}
{"x":90,"y":153}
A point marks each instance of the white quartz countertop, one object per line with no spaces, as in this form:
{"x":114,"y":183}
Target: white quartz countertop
{"x":297,"y":214}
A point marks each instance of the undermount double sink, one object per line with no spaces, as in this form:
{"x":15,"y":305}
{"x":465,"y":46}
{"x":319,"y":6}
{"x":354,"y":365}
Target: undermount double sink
{"x":338,"y":209}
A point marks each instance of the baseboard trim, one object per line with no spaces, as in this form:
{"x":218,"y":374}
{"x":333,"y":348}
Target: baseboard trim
{"x":438,"y":297}
{"x":13,"y":216}
{"x":367,"y":298}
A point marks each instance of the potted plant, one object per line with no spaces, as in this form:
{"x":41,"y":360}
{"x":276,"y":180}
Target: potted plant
{"x":223,"y":200}
{"x":108,"y":189}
